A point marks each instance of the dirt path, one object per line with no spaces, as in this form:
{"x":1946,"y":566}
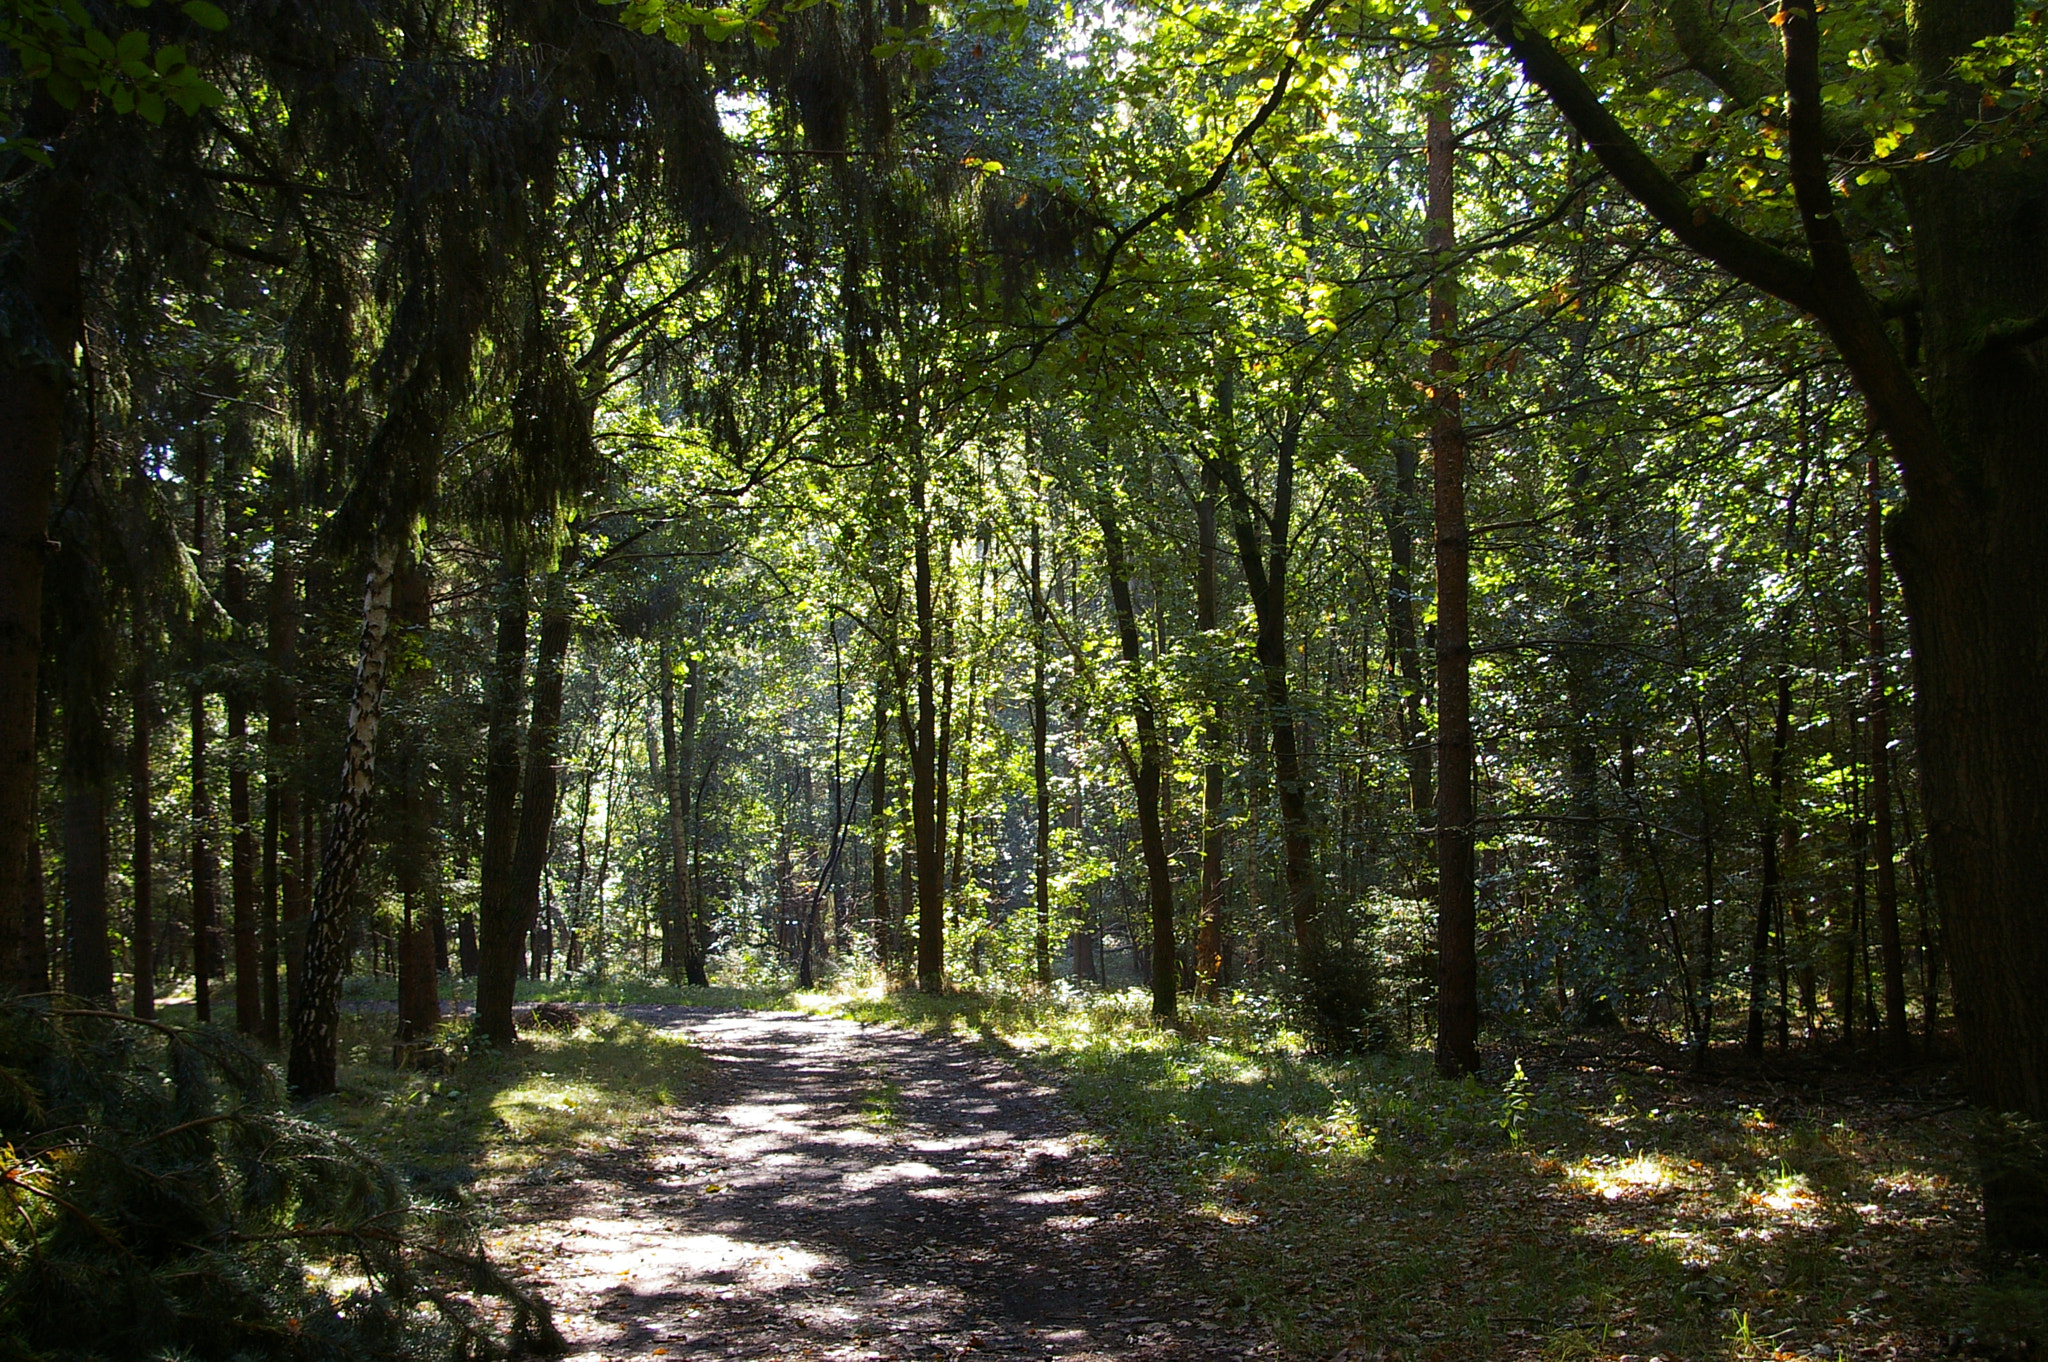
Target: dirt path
{"x":853,"y":1193}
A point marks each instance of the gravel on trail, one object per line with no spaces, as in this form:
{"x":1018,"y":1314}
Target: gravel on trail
{"x":846,"y":1192}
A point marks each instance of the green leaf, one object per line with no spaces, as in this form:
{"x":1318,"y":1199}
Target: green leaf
{"x":64,"y":90}
{"x":133,"y":45}
{"x":205,"y":14}
{"x":150,"y":105}
{"x":169,"y":58}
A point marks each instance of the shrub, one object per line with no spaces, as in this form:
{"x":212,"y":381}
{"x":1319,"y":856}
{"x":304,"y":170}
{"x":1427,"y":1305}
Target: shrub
{"x":158,"y":1199}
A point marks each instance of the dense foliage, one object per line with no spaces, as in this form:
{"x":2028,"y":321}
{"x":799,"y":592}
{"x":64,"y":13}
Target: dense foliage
{"x":1290,"y":498}
{"x":163,"y":1202}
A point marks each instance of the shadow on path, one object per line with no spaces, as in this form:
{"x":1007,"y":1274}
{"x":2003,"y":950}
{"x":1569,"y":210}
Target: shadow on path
{"x":845,"y":1192}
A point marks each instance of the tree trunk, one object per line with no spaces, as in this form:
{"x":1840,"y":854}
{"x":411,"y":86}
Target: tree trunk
{"x":1896,"y":1038}
{"x":1457,"y":1034}
{"x":315,"y":1017}
{"x":33,"y":965}
{"x":878,"y":834}
{"x":1146,"y":772}
{"x":1041,"y":786}
{"x":1211,"y":968}
{"x":924,"y":774}
{"x":1970,"y":538}
{"x":242,"y":875}
{"x":141,"y":869}
{"x":679,"y":758}
{"x":1980,"y":699}
{"x":942,"y":762}
{"x":88,"y":963}
{"x":205,"y":860}
{"x":419,"y":1001}
{"x":76,"y":583}
{"x":43,"y":266}
{"x":1768,"y":831}
{"x":272,"y":1029}
{"x":1402,"y":634}
{"x":1710,"y":973}
{"x":497,"y":910}
{"x":1337,"y":995}
{"x":956,"y":878}
{"x":241,"y":833}
{"x":542,"y":777}
{"x":282,"y":778}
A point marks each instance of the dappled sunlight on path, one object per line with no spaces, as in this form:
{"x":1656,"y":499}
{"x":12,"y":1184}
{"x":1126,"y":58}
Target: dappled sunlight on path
{"x":846,"y":1192}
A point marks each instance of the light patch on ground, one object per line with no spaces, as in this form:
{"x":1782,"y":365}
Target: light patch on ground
{"x":1064,"y":1196}
{"x":623,"y":1249}
{"x":1639,"y":1175}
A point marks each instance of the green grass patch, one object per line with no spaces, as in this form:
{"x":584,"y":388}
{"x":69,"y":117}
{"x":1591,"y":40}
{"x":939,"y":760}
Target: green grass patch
{"x":1362,"y":1203}
{"x":608,"y":993}
{"x":487,"y":1112}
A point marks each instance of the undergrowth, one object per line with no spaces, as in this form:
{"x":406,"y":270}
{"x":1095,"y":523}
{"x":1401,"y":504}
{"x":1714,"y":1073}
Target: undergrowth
{"x":158,"y":1200}
{"x":1365,"y":1208}
{"x":480,"y":1111}
{"x":584,"y":989}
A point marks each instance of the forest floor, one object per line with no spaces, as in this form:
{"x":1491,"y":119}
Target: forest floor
{"x":690,"y":1181}
{"x":1052,"y":1176}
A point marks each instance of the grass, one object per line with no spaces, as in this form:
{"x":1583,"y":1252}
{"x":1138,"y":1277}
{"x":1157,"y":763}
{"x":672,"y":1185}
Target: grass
{"x":1365,"y":1208}
{"x":486,"y":1113}
{"x":480,"y":1112}
{"x":610,"y":993}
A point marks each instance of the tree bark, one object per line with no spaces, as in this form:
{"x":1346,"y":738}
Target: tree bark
{"x":44,"y":266}
{"x":497,"y":913}
{"x":241,"y":833}
{"x":282,"y":777}
{"x":1768,"y":831}
{"x":1336,"y":996}
{"x":141,"y":812}
{"x":32,"y":969}
{"x":1041,"y":785}
{"x":77,"y":582}
{"x":419,"y":1000}
{"x":1402,"y":634}
{"x":541,"y":779}
{"x":1211,"y":966}
{"x":1145,"y":772}
{"x":88,"y":963}
{"x":679,"y":757}
{"x":409,"y":819}
{"x":963,"y":804}
{"x":205,"y":860}
{"x":315,"y":1017}
{"x":878,"y":834}
{"x":1897,"y":1040}
{"x":925,"y":814}
{"x":1457,"y":1032}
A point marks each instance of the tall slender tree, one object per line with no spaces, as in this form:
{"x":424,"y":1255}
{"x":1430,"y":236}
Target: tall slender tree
{"x":1457,"y":1025}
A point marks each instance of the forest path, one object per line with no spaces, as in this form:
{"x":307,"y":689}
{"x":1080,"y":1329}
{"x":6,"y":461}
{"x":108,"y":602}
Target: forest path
{"x":837,"y":1191}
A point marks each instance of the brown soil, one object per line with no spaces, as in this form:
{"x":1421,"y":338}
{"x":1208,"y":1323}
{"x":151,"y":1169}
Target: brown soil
{"x":848,"y":1192}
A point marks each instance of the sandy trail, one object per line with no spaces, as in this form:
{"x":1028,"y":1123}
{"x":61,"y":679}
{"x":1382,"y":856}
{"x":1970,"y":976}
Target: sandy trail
{"x":847,"y":1192}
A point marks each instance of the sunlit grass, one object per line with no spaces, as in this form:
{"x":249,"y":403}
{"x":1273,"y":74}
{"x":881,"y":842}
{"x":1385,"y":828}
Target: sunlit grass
{"x":484,"y":1111}
{"x":1362,"y":1207}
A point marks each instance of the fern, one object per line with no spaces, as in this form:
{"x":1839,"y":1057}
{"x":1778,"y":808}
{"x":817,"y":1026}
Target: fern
{"x":158,"y":1199}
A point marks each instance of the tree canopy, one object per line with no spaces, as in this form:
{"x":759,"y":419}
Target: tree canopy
{"x":1453,"y":518}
